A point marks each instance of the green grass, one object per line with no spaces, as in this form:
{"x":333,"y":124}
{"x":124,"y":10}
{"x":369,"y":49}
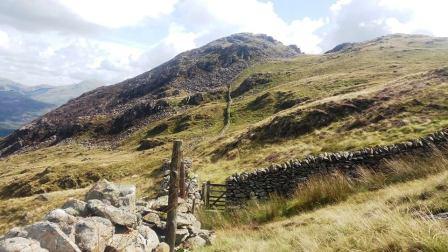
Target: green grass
{"x":378,"y":212}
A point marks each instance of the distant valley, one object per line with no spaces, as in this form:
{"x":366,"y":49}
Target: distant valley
{"x":20,"y":104}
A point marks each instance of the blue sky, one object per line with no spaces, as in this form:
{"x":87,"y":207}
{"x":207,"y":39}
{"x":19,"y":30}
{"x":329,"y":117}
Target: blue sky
{"x":66,"y":41}
{"x":292,"y":10}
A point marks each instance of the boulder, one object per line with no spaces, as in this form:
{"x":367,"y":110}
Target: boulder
{"x":75,"y":207}
{"x":115,"y":215}
{"x":208,"y":236}
{"x":51,"y":237}
{"x":120,"y":196}
{"x":20,"y":244}
{"x":194,"y":242}
{"x":64,"y":220}
{"x":152,"y":218}
{"x":181,"y":236}
{"x":162,"y":247}
{"x":16,"y":232}
{"x":185,"y":219}
{"x":127,"y":242}
{"x":160,"y":203}
{"x":93,"y":233}
{"x":184,"y":208}
{"x":150,"y":236}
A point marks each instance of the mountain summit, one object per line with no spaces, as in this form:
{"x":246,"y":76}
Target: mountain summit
{"x":113,"y":109}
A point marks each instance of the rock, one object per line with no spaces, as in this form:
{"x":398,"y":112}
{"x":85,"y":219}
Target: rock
{"x":150,"y":236}
{"x":120,"y":196}
{"x":181,"y":235}
{"x":20,"y":244}
{"x":160,"y":204}
{"x":129,"y":241}
{"x":75,"y":207}
{"x":183,"y":208}
{"x":93,"y":233}
{"x":64,"y":220}
{"x":51,"y":237}
{"x":185,"y":219}
{"x":162,"y":247}
{"x":152,"y":218}
{"x":208,"y":236}
{"x":194,"y":242}
{"x":441,"y":216}
{"x":16,"y":232}
{"x":115,"y":215}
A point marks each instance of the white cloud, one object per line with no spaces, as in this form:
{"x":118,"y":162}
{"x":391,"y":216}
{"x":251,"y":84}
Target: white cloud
{"x":357,"y":20}
{"x":119,"y":13}
{"x":4,"y":39}
{"x":53,"y":59}
{"x":65,"y":41}
{"x":178,"y":40}
{"x":216,"y":18}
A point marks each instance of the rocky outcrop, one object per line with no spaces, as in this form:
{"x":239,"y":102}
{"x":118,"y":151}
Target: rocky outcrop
{"x":110,"y":219}
{"x":344,"y":47}
{"x":283,"y":179}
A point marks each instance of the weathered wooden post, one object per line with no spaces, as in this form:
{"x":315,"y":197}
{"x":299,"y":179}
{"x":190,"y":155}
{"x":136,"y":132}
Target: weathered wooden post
{"x":182,"y":181}
{"x":207,"y":194}
{"x":171,"y":224}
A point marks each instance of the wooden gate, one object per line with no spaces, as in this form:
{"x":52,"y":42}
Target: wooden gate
{"x":214,"y":195}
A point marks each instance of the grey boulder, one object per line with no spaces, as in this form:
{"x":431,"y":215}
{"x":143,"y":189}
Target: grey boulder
{"x":64,"y":220}
{"x":75,"y":207}
{"x":20,"y":244}
{"x":51,"y":237}
{"x":93,"y":233}
{"x":115,"y":215}
{"x":120,"y":196}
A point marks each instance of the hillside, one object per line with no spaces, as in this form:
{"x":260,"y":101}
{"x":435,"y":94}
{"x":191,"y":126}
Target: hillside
{"x":113,"y":109}
{"x":335,"y":214}
{"x":382,"y":91}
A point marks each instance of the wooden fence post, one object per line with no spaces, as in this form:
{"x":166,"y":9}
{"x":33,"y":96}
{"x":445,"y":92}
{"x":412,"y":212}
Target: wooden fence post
{"x":171,"y":224}
{"x":207,"y":194}
{"x":182,"y":192}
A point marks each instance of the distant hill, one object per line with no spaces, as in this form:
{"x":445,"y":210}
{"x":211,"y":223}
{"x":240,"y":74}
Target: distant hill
{"x":17,"y":109}
{"x":20,"y":104}
{"x":9,"y":85}
{"x":59,"y":95}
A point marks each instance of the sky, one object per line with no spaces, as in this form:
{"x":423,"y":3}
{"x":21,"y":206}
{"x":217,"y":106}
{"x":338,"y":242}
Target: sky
{"x":61,"y":42}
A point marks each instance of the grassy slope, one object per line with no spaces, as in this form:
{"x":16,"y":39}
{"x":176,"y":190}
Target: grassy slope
{"x":398,"y":217}
{"x":397,"y":67}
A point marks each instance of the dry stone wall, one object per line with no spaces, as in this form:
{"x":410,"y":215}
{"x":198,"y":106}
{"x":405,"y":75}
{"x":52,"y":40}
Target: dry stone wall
{"x":283,"y":179}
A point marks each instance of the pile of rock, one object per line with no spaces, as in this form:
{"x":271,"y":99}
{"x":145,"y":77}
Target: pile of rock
{"x":110,"y":219}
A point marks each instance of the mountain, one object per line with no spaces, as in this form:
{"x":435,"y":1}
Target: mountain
{"x":205,"y":69}
{"x":9,"y":85}
{"x":59,"y":95}
{"x":20,"y":104}
{"x":388,"y":90}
